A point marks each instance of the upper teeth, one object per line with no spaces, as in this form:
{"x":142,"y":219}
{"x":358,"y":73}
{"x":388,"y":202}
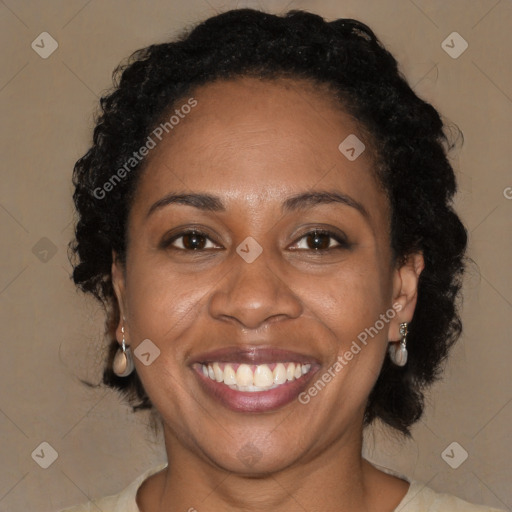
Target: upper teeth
{"x":244,"y":377}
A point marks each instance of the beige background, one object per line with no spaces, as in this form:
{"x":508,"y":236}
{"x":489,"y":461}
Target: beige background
{"x":51,"y":335}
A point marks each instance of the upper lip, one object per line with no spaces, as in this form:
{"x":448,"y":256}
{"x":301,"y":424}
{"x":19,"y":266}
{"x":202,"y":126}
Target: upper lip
{"x":253,"y":355}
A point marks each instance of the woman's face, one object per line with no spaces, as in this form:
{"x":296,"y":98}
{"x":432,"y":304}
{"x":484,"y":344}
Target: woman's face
{"x":253,"y":293}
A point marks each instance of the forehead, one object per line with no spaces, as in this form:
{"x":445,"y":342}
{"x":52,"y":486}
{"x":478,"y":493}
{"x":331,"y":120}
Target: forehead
{"x":253,"y":141}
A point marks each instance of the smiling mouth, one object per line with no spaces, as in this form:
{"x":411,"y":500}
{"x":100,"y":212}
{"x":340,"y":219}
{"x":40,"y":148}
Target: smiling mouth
{"x":254,"y":378}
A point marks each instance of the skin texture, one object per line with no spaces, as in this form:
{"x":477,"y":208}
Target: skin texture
{"x":253,"y":144}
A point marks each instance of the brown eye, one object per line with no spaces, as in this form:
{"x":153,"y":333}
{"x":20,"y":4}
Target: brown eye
{"x":190,"y":241}
{"x":320,"y":240}
{"x":194,"y":241}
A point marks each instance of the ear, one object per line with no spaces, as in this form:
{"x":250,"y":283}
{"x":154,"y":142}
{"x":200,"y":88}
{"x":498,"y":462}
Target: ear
{"x":118,"y":282}
{"x":405,"y":292}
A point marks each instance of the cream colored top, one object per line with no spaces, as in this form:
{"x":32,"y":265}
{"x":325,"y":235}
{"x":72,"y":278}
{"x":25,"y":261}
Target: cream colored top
{"x":419,"y":498}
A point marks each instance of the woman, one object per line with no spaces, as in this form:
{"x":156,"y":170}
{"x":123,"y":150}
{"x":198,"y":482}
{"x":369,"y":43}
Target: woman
{"x":266,"y":214}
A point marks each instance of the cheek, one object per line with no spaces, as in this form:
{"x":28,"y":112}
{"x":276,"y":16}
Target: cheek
{"x":347,"y":304}
{"x":164,"y":307}
{"x":163,"y":304}
{"x":348,"y":299}
{"x":158,"y":303}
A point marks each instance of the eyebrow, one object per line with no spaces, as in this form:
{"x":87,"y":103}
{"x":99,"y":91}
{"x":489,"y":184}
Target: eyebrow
{"x":311,"y":199}
{"x":303,"y":201}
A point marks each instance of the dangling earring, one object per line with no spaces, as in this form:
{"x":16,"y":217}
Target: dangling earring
{"x":398,"y":354}
{"x":123,"y":361}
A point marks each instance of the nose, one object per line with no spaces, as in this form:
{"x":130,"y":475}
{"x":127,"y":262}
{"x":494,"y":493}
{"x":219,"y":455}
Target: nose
{"x":253,"y":294}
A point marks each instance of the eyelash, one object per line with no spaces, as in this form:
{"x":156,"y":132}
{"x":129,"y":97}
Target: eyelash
{"x":343,"y":243}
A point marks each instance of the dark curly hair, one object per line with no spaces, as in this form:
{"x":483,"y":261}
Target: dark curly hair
{"x":410,"y":146}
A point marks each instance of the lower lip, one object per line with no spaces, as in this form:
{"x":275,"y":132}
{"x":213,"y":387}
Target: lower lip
{"x":257,"y":401}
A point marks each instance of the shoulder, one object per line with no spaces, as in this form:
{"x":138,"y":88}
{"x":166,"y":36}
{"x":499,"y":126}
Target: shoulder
{"x":125,"y":501}
{"x":419,"y":497}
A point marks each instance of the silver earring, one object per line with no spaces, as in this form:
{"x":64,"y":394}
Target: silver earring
{"x":123,"y":361}
{"x":398,"y":352}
